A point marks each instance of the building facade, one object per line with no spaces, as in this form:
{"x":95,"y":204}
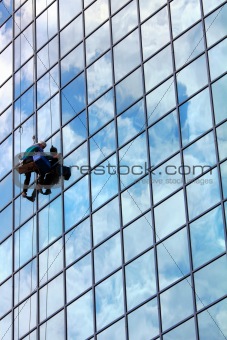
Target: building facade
{"x":133,"y":95}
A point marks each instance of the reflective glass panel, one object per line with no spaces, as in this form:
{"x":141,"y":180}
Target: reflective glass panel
{"x":138,"y":236}
{"x":76,"y":203}
{"x":47,"y":56}
{"x":189,"y":45}
{"x":24,"y":106}
{"x":135,"y":200}
{"x":155,"y":33}
{"x":219,"y":90}
{"x":25,"y":243}
{"x":47,"y":297}
{"x":222,"y":141}
{"x":192,"y":78}
{"x":199,"y":157}
{"x":158,"y":68}
{"x":48,"y":85}
{"x":73,"y":98}
{"x":161,"y":100}
{"x":95,"y":15}
{"x":6,"y":31}
{"x":212,"y":323}
{"x":131,"y":122}
{"x":74,"y":133}
{"x":183,"y":14}
{"x":124,"y":21}
{"x":24,"y":78}
{"x":185,"y":330}
{"x":217,"y":59}
{"x":49,"y":118}
{"x":53,"y":329}
{"x":104,"y":182}
{"x":77,"y":241}
{"x":72,"y":64}
{"x":166,"y":220}
{"x":50,"y":262}
{"x":109,"y":300}
{"x":6,"y":297}
{"x":116,"y":331}
{"x":5,"y":94}
{"x":46,"y":25}
{"x":23,"y":16}
{"x":173,"y":258}
{"x":5,"y":10}
{"x":80,"y":318}
{"x":210,"y":282}
{"x":6,"y":149}
{"x":161,"y":145}
{"x":207,"y":237}
{"x":97,"y":43}
{"x":173,"y":302}
{"x":133,"y":160}
{"x":195,"y":117}
{"x":99,"y":77}
{"x":218,"y":22}
{"x":6,"y":222}
{"x":107,"y":257}
{"x":116,"y":4}
{"x":78,"y":277}
{"x":5,"y":326}
{"x":68,"y":10}
{"x":40,"y":5}
{"x":26,"y":315}
{"x":126,"y":55}
{"x":106,"y":221}
{"x":224,"y":178}
{"x":101,"y":111}
{"x":203,"y":193}
{"x":6,"y":123}
{"x":6,"y":188}
{"x":50,"y":223}
{"x":6,"y":64}
{"x":25,"y":281}
{"x":143,"y":322}
{"x":102,"y":144}
{"x":23,"y":47}
{"x":149,"y":7}
{"x":129,"y":90}
{"x":75,"y":30}
{"x":140,"y":279}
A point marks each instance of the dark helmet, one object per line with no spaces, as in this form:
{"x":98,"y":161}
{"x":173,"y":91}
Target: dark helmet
{"x":53,"y":149}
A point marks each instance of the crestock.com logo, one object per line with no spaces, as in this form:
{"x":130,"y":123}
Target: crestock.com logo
{"x":166,"y":174}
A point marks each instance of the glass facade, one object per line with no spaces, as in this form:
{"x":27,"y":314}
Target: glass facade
{"x":133,"y":94}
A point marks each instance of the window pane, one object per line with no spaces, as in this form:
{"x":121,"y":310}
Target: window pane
{"x":73,"y":30}
{"x":147,"y":319}
{"x":116,"y":4}
{"x":6,"y":222}
{"x":47,"y":57}
{"x":23,"y":79}
{"x":222,"y":141}
{"x":210,"y":282}
{"x":140,"y":279}
{"x":109,"y":300}
{"x":5,"y":10}
{"x":135,"y":200}
{"x":126,"y":55}
{"x":224,"y":178}
{"x":78,"y":277}
{"x":97,"y":43}
{"x":138,"y":236}
{"x":107,"y":257}
{"x":189,"y":45}
{"x":49,"y":118}
{"x":219,"y":89}
{"x":99,"y":77}
{"x":6,"y":187}
{"x":183,"y":14}
{"x":203,"y":193}
{"x":53,"y":329}
{"x":173,"y":302}
{"x":149,"y":7}
{"x":95,"y":15}
{"x":68,"y":10}
{"x":185,"y":331}
{"x":124,"y":21}
{"x":24,"y":47}
{"x":6,"y":297}
{"x":6,"y":123}
{"x":212,"y":322}
{"x":218,"y":21}
{"x":165,"y":220}
{"x":192,"y":78}
{"x":25,"y":281}
{"x":173,"y":262}
{"x":6,"y":149}
{"x":45,"y":27}
{"x":48,"y":85}
{"x":155,"y":33}
{"x":78,"y":160}
{"x":207,"y":237}
{"x":5,"y":327}
{"x":26,"y":105}
{"x":153,"y":73}
{"x":106,"y":221}
{"x":217,"y":59}
{"x":195,"y":117}
{"x":5,"y":94}
{"x":6,"y":64}
{"x":72,"y":64}
{"x":116,"y":331}
{"x":80,"y":318}
{"x":26,"y":316}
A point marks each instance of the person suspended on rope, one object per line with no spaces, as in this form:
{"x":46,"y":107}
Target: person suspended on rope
{"x":27,"y":158}
{"x":50,"y":178}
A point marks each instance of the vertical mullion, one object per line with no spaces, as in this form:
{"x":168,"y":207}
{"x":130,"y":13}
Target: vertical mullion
{"x":118,"y":174}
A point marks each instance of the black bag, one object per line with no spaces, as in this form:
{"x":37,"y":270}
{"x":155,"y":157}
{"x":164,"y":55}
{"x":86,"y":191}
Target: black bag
{"x":66,"y":172}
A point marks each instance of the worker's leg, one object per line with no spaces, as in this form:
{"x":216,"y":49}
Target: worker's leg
{"x":26,"y":183}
